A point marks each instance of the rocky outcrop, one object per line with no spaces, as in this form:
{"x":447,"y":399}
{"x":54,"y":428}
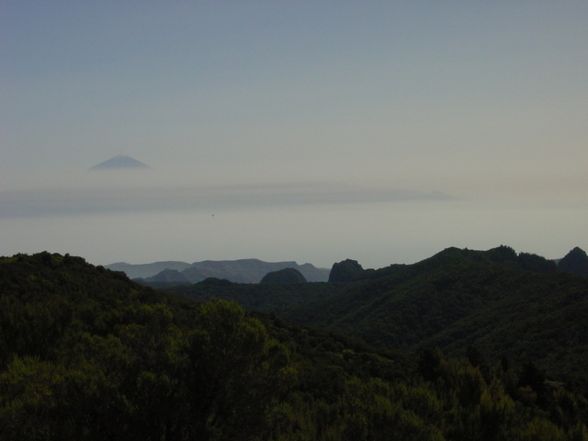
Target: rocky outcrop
{"x":346,"y":271}
{"x":286,"y":276}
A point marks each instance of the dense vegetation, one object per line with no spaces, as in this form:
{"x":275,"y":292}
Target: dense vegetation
{"x":504,"y":304}
{"x":282,"y":299}
{"x":575,"y":262}
{"x":346,"y":271}
{"x":86,"y":354}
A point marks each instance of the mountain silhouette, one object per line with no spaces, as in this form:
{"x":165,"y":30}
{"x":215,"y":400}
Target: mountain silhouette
{"x":283,"y":277}
{"x":236,"y":271}
{"x":119,"y":162}
{"x":346,"y":271}
{"x":575,"y":262}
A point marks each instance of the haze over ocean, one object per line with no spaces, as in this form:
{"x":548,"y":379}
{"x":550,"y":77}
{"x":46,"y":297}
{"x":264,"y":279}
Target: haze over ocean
{"x":311,"y":131}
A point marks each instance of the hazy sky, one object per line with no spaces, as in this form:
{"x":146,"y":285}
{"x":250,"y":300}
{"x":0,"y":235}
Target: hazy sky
{"x":313,"y":131}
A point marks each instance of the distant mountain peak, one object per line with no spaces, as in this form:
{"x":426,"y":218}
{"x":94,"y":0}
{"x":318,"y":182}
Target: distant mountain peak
{"x":120,"y":162}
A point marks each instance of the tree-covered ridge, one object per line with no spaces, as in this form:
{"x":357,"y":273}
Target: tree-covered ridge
{"x":575,"y":262}
{"x":504,"y":303}
{"x":346,"y":271}
{"x":281,"y":299}
{"x":89,"y":355}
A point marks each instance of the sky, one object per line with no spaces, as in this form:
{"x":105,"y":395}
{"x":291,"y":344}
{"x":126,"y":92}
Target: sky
{"x":313,"y":131}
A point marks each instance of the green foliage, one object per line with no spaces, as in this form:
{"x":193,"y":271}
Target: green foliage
{"x":88,"y":355}
{"x":496,"y":303}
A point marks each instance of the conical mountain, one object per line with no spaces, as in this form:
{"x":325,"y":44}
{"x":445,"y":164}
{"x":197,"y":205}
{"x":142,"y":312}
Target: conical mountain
{"x":119,"y":162}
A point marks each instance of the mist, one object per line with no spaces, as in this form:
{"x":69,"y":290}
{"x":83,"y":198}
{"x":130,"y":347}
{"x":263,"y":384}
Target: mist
{"x":147,"y":215}
{"x":379,"y":131}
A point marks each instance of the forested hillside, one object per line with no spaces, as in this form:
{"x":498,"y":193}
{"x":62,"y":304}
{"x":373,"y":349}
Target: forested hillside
{"x":503,"y":304}
{"x":86,"y":354}
{"x":282,"y":299}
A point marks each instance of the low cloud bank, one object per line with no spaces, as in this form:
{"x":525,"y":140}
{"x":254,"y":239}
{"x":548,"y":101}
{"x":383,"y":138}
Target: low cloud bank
{"x":71,"y":202}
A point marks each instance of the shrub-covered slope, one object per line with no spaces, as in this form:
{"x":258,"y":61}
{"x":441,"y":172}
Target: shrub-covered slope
{"x":89,"y":355}
{"x":505,"y":304}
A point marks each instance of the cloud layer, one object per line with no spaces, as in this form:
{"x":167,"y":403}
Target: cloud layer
{"x":71,"y":202}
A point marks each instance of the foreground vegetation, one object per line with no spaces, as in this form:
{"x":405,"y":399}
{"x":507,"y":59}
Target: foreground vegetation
{"x":86,"y":354}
